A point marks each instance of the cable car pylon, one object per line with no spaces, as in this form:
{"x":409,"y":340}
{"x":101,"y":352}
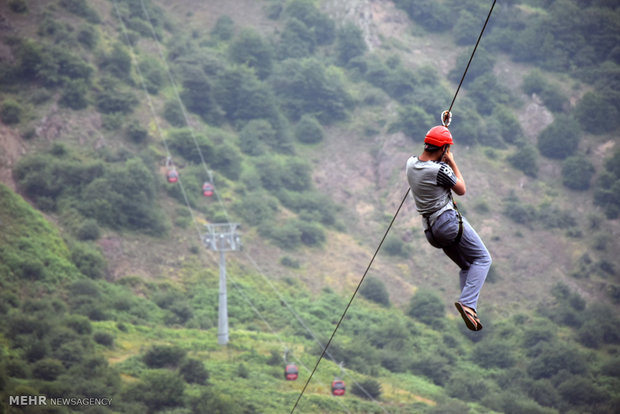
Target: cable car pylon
{"x":222,"y":237}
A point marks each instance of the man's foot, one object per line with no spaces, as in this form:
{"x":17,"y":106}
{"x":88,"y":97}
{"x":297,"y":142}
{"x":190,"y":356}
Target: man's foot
{"x":469,"y":316}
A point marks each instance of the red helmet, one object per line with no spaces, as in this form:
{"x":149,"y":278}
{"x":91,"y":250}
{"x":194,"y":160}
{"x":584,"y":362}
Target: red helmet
{"x":438,"y":136}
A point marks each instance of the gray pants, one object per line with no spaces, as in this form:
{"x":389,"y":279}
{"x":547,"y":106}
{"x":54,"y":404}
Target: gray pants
{"x":470,"y":254}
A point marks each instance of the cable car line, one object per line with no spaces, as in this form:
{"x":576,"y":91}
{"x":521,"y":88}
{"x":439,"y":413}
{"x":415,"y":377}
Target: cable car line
{"x":203,"y":162}
{"x":391,"y":222}
{"x":305,"y":326}
{"x":175,"y":88}
{"x":196,"y":224}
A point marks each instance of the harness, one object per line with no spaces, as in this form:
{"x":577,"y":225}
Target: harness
{"x":458,"y":235}
{"x":458,"y":213}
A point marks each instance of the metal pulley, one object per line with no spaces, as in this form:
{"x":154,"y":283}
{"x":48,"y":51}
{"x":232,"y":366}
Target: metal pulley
{"x":446,"y":118}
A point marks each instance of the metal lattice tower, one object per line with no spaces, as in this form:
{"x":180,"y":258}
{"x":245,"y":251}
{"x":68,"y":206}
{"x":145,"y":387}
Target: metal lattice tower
{"x":222,"y":237}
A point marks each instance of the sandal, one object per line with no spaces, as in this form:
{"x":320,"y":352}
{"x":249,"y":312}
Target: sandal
{"x":469,"y":316}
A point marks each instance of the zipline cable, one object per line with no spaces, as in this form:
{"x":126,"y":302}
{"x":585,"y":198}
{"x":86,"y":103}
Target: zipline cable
{"x":350,"y":301}
{"x":194,"y":220}
{"x":390,"y":225}
{"x":472,"y":55}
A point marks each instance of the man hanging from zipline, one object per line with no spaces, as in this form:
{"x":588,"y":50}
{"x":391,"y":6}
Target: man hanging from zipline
{"x":433,"y":176}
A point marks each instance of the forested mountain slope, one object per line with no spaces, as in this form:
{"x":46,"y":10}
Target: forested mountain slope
{"x":301,"y":115}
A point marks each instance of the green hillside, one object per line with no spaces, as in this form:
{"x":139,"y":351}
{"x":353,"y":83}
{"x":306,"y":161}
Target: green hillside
{"x":301,"y":115}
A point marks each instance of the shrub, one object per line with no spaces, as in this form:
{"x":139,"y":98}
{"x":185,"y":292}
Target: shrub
{"x":224,"y":28}
{"x":10,"y":112}
{"x":84,"y":288}
{"x":194,"y":371}
{"x":81,"y":8}
{"x":74,"y":94}
{"x":296,"y":175}
{"x":193,"y":147}
{"x":198,"y":95}
{"x":111,"y":100}
{"x":509,"y":124}
{"x":79,"y":324}
{"x":596,"y":114}
{"x":311,"y":233}
{"x":173,"y":113}
{"x":394,"y":246}
{"x":309,"y":130}
{"x":577,"y":172}
{"x":350,"y":43}
{"x":433,"y":366}
{"x":287,"y":235}
{"x":374,"y":290}
{"x":47,"y":369}
{"x":88,"y":230}
{"x":136,"y":132}
{"x":251,"y":50}
{"x":413,"y":121}
{"x":554,"y":359}
{"x":256,"y":136}
{"x":367,"y":389}
{"x":256,"y":208}
{"x":153,"y":74}
{"x":88,"y":259}
{"x":88,"y":37}
{"x":426,"y":306}
{"x":525,"y":159}
{"x":466,"y":387}
{"x":117,"y":62}
{"x":227,"y":160}
{"x":18,"y":6}
{"x":104,"y":338}
{"x":161,"y":356}
{"x":304,"y":87}
{"x":160,"y":388}
{"x":560,"y":139}
{"x":494,"y":354}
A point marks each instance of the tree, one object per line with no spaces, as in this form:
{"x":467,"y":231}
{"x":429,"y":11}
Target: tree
{"x":256,"y":136}
{"x":374,"y":290}
{"x":577,"y":172}
{"x":251,"y":50}
{"x":74,"y":95}
{"x":426,"y":306}
{"x":526,"y":160}
{"x":296,"y":41}
{"x":595,"y":114}
{"x":304,"y":87}
{"x":490,"y":354}
{"x":413,"y":121}
{"x":509,"y":124}
{"x":160,"y":388}
{"x":10,"y":112}
{"x":161,"y":356}
{"x":561,"y":138}
{"x":47,"y":369}
{"x":224,"y":28}
{"x":309,"y":130}
{"x":198,"y":95}
{"x":466,"y":28}
{"x":350,"y":43}
{"x":368,"y":389}
{"x":322,"y":26}
{"x":194,"y":371}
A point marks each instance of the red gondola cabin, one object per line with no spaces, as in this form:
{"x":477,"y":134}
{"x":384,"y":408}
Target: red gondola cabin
{"x":207,"y":189}
{"x":291,"y":372}
{"x":172,"y":176}
{"x":338,"y":388}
